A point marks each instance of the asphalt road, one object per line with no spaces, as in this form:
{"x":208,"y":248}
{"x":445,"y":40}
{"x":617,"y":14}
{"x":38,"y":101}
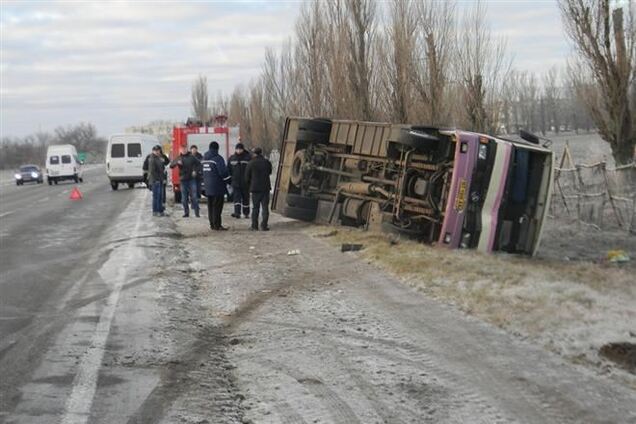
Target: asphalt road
{"x":58,"y":293}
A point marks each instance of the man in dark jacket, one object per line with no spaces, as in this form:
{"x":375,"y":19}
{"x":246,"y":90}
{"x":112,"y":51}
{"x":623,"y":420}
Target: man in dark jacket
{"x":257,"y":177}
{"x":195,"y":152}
{"x":155,"y":164}
{"x":166,"y":162}
{"x":240,"y":194}
{"x":216,"y":177}
{"x":189,"y":168}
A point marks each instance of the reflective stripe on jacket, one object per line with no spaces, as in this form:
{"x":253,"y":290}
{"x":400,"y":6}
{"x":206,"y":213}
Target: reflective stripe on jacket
{"x":215,"y":173}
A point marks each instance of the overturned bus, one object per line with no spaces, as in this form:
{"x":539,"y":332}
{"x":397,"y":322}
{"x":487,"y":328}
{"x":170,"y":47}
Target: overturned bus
{"x":455,"y":188}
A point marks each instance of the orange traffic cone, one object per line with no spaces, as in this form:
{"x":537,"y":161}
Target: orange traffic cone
{"x":76,"y":194}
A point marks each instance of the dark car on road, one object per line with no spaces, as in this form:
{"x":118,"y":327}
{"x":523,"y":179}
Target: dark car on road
{"x":28,"y":173}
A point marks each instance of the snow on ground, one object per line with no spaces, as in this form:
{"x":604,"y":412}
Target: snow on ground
{"x":326,"y":336}
{"x":572,"y":308}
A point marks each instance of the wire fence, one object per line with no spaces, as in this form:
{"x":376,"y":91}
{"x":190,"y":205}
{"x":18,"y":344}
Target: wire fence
{"x":595,"y":194}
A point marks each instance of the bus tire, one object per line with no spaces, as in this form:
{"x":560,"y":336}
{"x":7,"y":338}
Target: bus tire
{"x":302,"y":202}
{"x":300,"y":214}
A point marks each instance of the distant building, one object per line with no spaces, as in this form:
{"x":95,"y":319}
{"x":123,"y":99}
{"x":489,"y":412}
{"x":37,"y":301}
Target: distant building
{"x":162,"y":129}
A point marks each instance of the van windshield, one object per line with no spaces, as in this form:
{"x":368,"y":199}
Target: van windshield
{"x":117,"y":151}
{"x":54,"y":160}
{"x":134,"y":150}
{"x":66,"y":158}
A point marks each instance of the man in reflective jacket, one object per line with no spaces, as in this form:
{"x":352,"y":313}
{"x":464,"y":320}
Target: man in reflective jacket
{"x":240,"y":194}
{"x":216,"y":178}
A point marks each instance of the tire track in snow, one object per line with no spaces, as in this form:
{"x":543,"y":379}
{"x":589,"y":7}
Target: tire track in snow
{"x":79,"y":403}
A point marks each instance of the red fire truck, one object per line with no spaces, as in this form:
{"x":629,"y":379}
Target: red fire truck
{"x":197,"y":133}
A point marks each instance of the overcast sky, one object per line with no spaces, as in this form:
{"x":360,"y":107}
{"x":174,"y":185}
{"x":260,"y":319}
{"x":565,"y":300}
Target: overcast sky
{"x":122,"y":64}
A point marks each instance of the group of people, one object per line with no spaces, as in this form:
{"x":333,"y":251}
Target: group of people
{"x":247,"y":173}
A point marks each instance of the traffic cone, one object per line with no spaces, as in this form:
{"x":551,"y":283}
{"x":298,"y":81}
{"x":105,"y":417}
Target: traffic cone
{"x":76,"y":194}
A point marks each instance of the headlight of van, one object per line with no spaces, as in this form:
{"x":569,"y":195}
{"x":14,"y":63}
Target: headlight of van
{"x":18,"y":176}
{"x":34,"y":174}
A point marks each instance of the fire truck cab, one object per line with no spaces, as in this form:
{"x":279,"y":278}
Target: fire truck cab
{"x":197,"y":133}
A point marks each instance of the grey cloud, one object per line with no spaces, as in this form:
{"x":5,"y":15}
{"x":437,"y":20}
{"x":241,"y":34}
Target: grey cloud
{"x":119,"y":64}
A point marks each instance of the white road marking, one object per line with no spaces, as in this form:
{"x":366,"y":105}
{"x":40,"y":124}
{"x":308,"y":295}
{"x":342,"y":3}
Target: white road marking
{"x":43,"y":200}
{"x":78,"y":405}
{"x":2,"y":215}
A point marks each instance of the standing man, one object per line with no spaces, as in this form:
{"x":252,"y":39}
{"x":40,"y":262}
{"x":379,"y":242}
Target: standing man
{"x":241,"y":193}
{"x":195,"y":152}
{"x":257,"y":177}
{"x":216,"y":178}
{"x":155,"y":165}
{"x":189,"y":168}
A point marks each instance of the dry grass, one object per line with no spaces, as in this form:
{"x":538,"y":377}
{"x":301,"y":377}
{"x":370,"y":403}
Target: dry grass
{"x":570,"y":308}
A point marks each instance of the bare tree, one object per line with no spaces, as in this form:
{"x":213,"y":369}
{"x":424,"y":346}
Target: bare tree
{"x":311,"y":59}
{"x":396,"y":49}
{"x":483,"y":66}
{"x":219,"y":105}
{"x":603,"y":71}
{"x":553,"y":97}
{"x":433,"y":50}
{"x":361,"y":16}
{"x":238,"y":109}
{"x":351,"y":33}
{"x":200,"y":108}
{"x":527,"y":91}
{"x":32,"y":148}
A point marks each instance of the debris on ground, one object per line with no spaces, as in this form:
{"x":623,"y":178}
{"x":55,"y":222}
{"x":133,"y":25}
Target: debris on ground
{"x":329,"y":234}
{"x":617,"y":256}
{"x":349,"y":247}
{"x":293,"y":252}
{"x":622,"y":353}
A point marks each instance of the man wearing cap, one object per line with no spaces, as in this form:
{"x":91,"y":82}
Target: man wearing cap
{"x":156,"y":164}
{"x":257,"y":176}
{"x":240,"y":194}
{"x":216,"y":178}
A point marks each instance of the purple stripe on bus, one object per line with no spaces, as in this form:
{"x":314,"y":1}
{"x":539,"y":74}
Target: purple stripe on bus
{"x":462,"y":170}
{"x":494,"y":213}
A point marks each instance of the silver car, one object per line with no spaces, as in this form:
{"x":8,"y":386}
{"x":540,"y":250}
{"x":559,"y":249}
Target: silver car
{"x":28,"y":173}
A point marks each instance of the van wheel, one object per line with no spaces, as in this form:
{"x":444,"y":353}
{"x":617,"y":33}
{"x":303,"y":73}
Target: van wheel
{"x":48,"y":180}
{"x":75,"y":178}
{"x":131,"y":185}
{"x":81,"y":180}
{"x":114,"y":185}
{"x":55,"y":181}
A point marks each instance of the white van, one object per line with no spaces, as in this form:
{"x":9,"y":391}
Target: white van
{"x":125,"y":158}
{"x":62,"y":163}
